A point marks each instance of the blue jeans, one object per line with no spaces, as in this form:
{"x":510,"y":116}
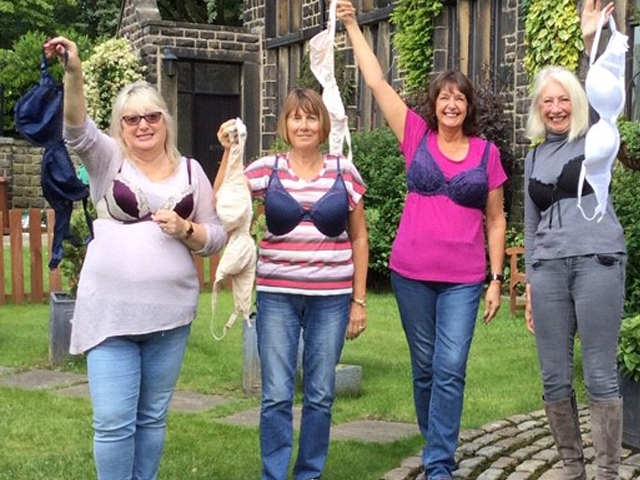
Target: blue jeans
{"x":131,"y":380}
{"x":583,"y":295}
{"x":323,"y":323}
{"x":438,"y":321}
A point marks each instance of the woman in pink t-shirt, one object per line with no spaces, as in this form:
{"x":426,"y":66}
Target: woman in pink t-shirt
{"x":438,"y":261}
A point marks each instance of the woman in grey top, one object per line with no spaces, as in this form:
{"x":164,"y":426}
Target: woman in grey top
{"x":138,"y":291}
{"x":575,"y":272}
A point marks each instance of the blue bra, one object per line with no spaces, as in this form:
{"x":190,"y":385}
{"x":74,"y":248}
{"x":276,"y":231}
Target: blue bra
{"x":284,"y":213}
{"x":127,"y":203}
{"x":467,"y":189}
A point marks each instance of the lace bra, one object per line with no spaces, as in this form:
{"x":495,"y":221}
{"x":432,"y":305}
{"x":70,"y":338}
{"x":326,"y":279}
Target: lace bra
{"x":469,"y":188}
{"x":284,"y":213}
{"x":545,"y":195}
{"x":606,"y":93}
{"x":127,"y":203}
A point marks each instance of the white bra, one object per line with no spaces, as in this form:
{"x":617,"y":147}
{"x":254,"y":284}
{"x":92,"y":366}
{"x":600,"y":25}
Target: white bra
{"x":322,"y":66}
{"x":606,"y":93}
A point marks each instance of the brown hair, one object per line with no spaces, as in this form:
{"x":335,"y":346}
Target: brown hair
{"x":309,"y":101}
{"x":446,"y":80}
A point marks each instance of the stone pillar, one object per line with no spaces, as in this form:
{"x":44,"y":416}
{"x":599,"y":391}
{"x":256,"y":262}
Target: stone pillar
{"x":251,"y":381}
{"x":61,"y":307}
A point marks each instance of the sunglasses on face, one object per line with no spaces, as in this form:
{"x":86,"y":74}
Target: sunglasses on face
{"x":133,"y":120}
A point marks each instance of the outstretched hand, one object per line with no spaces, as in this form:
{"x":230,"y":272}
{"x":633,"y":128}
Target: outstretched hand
{"x":65,"y":50}
{"x":591,"y":16}
{"x":345,"y":11}
{"x":228,"y":134}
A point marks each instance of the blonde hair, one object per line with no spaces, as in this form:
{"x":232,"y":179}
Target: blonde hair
{"x":308,"y":101}
{"x":579,"y":124}
{"x":147,"y":97}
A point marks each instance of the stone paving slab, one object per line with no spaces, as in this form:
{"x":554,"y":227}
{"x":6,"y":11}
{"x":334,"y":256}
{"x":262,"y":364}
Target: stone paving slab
{"x":182,"y":401}
{"x":193,"y":402}
{"x":6,"y":370}
{"x":251,"y":418}
{"x":42,"y":379}
{"x":372,"y":431}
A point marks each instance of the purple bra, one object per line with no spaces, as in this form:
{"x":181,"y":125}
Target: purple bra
{"x":467,"y":189}
{"x":127,"y":203}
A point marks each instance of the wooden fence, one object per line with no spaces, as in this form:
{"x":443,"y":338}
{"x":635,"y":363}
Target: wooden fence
{"x":31,"y":240}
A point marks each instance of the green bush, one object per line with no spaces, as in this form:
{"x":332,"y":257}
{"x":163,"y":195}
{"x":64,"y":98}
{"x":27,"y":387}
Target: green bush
{"x":381,"y":165}
{"x":625,"y":192}
{"x":75,"y":251}
{"x":111,"y":66}
{"x":20,"y":70}
{"x":629,"y":348}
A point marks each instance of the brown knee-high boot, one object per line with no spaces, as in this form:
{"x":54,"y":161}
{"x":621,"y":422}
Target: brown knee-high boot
{"x":565,"y":428}
{"x":606,"y":431}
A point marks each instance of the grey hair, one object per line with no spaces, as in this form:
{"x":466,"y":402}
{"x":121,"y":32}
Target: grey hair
{"x":579,"y":125}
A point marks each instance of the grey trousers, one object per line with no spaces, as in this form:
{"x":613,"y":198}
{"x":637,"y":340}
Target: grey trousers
{"x":583,"y":295}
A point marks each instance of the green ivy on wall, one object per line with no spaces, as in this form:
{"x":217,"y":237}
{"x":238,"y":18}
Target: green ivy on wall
{"x":553,"y":35}
{"x":413,"y":40}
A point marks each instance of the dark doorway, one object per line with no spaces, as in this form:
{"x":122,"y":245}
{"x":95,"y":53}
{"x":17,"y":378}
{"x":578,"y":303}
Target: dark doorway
{"x":208,"y":94}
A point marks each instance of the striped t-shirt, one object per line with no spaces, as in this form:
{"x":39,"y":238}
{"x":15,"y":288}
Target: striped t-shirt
{"x":304,"y":261}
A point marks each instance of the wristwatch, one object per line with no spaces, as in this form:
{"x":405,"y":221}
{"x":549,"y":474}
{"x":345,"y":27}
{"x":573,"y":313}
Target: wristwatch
{"x":493,"y":277}
{"x":189,"y":231}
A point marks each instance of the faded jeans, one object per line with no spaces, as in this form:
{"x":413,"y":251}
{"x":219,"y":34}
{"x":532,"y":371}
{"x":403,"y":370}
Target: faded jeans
{"x":131,"y":380}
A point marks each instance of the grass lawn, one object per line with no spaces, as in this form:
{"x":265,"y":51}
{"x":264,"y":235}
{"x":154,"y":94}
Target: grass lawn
{"x":46,"y":436}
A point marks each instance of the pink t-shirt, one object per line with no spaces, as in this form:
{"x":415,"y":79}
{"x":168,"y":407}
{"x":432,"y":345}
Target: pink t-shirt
{"x":439,"y":240}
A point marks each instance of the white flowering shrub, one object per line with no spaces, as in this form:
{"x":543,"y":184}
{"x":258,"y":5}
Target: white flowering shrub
{"x":111,"y":66}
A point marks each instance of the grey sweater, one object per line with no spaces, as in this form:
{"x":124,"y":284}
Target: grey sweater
{"x":560,"y":230}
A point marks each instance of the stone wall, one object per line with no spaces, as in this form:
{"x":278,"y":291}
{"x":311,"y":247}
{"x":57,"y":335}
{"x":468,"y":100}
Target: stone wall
{"x":20,"y":163}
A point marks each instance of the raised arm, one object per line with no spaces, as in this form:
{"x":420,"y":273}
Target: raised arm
{"x":227,"y":134}
{"x":589,"y":20}
{"x":392,"y":106}
{"x":75,"y":109}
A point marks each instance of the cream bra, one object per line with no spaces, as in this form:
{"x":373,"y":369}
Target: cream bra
{"x":322,"y":65}
{"x":606,"y":93}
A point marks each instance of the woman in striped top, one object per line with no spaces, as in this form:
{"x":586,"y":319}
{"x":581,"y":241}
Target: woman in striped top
{"x":311,"y":280}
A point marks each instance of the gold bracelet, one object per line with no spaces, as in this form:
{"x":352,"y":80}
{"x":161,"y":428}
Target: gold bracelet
{"x":359,"y":301}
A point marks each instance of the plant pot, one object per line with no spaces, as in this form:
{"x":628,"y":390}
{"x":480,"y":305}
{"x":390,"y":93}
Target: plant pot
{"x":61,"y":306}
{"x":630,"y":391}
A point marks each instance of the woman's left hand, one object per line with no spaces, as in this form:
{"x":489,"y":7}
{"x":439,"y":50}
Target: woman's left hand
{"x":228,"y":134}
{"x":491,"y":302}
{"x":590,"y":16}
{"x":357,"y":321}
{"x":171,"y":223}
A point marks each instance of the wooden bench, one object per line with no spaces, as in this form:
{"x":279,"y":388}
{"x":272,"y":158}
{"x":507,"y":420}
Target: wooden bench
{"x":516,"y":277}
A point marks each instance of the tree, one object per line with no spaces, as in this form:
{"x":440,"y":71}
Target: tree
{"x":218,"y":12}
{"x":20,"y":69}
{"x":95,"y":18}
{"x":20,"y":16}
